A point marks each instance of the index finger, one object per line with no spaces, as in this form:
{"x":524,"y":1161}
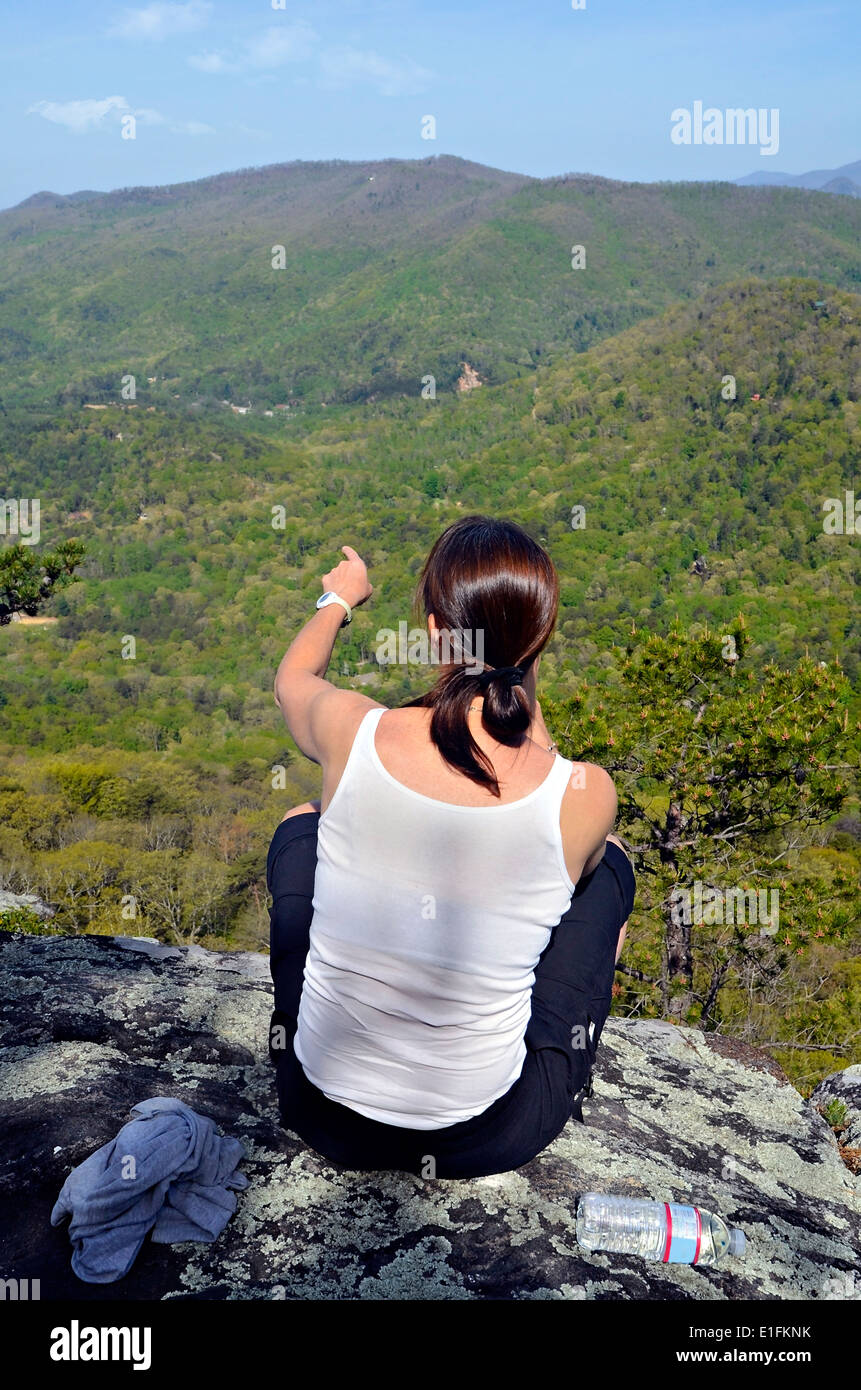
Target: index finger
{"x":350,"y":553}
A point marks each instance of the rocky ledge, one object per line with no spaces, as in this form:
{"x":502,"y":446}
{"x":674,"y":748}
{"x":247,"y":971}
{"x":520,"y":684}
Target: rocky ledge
{"x":91,"y":1025}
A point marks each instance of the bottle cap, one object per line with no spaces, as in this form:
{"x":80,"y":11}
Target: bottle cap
{"x":737,"y":1241}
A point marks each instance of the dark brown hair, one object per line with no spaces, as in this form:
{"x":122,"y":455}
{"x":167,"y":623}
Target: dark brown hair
{"x":490,"y":577}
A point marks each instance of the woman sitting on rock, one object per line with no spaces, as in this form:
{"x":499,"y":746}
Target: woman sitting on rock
{"x":440,"y":987}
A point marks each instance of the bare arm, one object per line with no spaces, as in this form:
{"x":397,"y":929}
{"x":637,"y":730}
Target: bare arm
{"x":605,"y":815}
{"x":310,"y":703}
{"x":588,"y":808}
{"x":587,"y":817}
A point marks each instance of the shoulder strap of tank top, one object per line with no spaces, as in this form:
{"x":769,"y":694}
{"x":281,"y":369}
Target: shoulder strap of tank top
{"x":550,"y":812}
{"x":361,"y":745}
{"x":557,"y":781}
{"x":366,"y":729}
{"x":553,"y":790}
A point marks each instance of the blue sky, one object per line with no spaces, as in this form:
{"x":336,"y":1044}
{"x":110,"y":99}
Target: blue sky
{"x":537,"y":87}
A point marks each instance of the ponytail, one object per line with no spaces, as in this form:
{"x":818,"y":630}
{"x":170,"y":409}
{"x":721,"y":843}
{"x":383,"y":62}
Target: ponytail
{"x":490,"y":577}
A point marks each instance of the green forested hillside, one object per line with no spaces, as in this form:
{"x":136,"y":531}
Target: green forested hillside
{"x":695,"y":506}
{"x":393,"y":270}
{"x":144,"y":763}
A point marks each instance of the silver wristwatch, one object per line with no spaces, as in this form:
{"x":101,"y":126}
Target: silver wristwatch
{"x":330,"y":597}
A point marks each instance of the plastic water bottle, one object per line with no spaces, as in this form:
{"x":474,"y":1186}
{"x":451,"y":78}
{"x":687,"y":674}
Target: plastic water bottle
{"x":663,"y":1231}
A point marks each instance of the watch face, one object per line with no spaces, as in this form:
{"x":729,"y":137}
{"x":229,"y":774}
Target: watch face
{"x":324,"y":598}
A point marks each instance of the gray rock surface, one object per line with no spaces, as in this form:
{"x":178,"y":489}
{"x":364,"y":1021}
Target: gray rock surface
{"x":89,"y":1026}
{"x":844,"y":1086}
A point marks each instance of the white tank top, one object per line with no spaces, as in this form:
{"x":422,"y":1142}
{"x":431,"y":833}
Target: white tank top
{"x":428,"y":923}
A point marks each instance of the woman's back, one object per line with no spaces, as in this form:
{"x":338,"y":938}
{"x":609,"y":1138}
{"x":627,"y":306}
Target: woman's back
{"x":403,"y":742}
{"x":430,"y":965}
{"x":433,"y":903}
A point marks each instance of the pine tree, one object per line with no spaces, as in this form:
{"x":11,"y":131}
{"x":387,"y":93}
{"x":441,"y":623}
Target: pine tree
{"x":27,"y":580}
{"x":722,"y":774}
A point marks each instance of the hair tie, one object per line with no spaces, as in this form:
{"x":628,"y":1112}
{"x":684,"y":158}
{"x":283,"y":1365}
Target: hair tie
{"x":512,"y":675}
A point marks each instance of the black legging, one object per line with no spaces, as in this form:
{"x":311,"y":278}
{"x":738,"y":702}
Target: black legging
{"x":570,"y":1003}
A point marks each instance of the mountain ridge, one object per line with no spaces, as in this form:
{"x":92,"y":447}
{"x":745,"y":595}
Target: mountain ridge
{"x":391,"y":271}
{"x":825,"y":180}
{"x":812,"y":180}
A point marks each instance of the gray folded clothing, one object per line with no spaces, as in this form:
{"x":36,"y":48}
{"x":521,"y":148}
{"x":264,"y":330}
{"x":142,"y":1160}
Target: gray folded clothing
{"x":169,"y":1171}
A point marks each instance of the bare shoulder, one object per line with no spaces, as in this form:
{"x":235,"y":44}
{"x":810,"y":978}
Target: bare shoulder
{"x":335,"y":717}
{"x":594,"y":783}
{"x":590,"y":800}
{"x":587,"y":814}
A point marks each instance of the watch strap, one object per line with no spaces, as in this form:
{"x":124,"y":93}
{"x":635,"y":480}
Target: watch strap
{"x":336,"y":598}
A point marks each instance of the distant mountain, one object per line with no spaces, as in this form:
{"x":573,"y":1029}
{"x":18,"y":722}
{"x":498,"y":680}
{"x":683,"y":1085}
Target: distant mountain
{"x":844,"y":180}
{"x":842,"y":185}
{"x":58,"y":200}
{"x":393,"y":271}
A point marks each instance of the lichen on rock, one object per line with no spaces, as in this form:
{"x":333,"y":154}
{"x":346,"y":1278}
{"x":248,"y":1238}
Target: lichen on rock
{"x":89,"y":1026}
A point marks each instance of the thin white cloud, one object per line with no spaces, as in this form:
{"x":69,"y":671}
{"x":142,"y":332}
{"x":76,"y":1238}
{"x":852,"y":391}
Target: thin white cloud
{"x":149,"y":116}
{"x":252,"y":131}
{"x":83,"y":117}
{"x":339,"y":67}
{"x":276,"y":46}
{"x":271,"y":49}
{"x":210,"y":62}
{"x":158,"y":21}
{"x":80,"y":116}
{"x":344,"y":67}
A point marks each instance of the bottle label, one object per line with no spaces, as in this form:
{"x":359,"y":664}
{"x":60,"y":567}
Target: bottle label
{"x":684,"y":1234}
